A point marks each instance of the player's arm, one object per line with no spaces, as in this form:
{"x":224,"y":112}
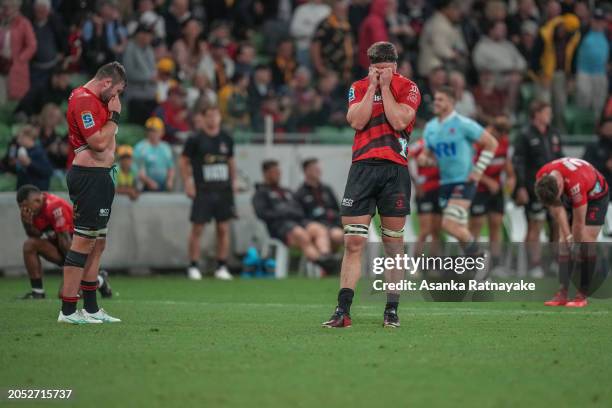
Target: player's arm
{"x":560,"y":216}
{"x":28,"y":225}
{"x":64,"y":240}
{"x":489,"y":144}
{"x":510,"y":175}
{"x":231,"y":164}
{"x":579,"y":222}
{"x":187,"y":175}
{"x":398,"y":114}
{"x":360,"y":113}
{"x":102,"y":139}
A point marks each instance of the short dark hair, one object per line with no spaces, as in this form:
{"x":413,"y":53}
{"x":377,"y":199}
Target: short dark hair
{"x":537,"y":106}
{"x":24,"y":192}
{"x":308,"y":162}
{"x":113,"y":70}
{"x":382,"y":51}
{"x":446,"y":90}
{"x":547,"y":190}
{"x":268,"y":164}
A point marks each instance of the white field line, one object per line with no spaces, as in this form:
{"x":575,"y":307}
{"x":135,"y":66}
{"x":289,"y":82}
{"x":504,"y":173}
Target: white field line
{"x":406,"y":308}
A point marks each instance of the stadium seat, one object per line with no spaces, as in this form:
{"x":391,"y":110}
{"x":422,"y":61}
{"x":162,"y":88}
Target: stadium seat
{"x":130,"y":134}
{"x":8,"y":182}
{"x":579,"y":121}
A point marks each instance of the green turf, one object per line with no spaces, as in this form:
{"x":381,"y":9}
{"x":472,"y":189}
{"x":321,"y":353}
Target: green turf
{"x":258,"y":344}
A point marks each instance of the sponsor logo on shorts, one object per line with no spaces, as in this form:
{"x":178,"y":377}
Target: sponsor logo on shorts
{"x":347,"y":202}
{"x":426,"y":206}
{"x":88,"y":119}
{"x":478,"y":209}
{"x":104,"y":212}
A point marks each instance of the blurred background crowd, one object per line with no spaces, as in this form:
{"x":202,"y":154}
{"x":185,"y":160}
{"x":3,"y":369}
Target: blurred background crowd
{"x":290,"y":60}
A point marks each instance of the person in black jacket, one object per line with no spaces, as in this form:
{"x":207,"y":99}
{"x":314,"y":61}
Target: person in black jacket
{"x":56,"y":91}
{"x":319,"y":202}
{"x":535,"y":146}
{"x":27,"y":158}
{"x":599,"y":154}
{"x":284,"y":217}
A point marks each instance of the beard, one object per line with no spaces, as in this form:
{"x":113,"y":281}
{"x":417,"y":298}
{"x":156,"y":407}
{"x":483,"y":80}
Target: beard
{"x":105,"y":96}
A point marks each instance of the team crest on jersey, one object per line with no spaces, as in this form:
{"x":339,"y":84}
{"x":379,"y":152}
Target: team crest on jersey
{"x":88,"y":120}
{"x":351,"y":94}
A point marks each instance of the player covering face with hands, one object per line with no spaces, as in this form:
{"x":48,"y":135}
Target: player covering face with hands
{"x":382,"y":109}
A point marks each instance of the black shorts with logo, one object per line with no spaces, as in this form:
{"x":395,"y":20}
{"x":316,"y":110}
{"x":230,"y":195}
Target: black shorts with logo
{"x":596,"y":210}
{"x":92,"y":191}
{"x":457,"y":191}
{"x":484,"y":203}
{"x":208,"y":205}
{"x":429,"y":203}
{"x":376,"y":184}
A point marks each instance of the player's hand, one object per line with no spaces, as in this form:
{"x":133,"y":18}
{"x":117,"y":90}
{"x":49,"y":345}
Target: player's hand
{"x":522,"y":197}
{"x":386,"y":74}
{"x":190,"y":189}
{"x":26,"y":214}
{"x":493,"y":186}
{"x":474,"y":177}
{"x":114,"y":105}
{"x":373,"y":75}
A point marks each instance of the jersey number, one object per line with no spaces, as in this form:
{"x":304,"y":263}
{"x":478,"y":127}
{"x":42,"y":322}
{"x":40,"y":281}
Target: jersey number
{"x":573,"y":164}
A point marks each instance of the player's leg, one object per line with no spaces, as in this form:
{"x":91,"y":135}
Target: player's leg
{"x":496,"y":220}
{"x":223,"y":248}
{"x":194,"y":248}
{"x":455,"y":220}
{"x":393,"y":241}
{"x":425,"y":221}
{"x":33,"y":249}
{"x":536,"y":217}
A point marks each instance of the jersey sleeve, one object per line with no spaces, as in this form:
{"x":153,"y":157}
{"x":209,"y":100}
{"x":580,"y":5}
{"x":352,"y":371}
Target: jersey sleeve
{"x":355,"y":94}
{"x":60,"y":219}
{"x":577,"y":193}
{"x":86,"y":115}
{"x":410,"y":95}
{"x":472,"y":129}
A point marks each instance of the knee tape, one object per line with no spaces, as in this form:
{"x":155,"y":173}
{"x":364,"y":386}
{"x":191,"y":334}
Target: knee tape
{"x":456,"y":213}
{"x":360,"y":230}
{"x":387,"y":232}
{"x":76,"y":259}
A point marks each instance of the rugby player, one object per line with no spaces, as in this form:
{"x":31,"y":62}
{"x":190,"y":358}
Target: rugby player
{"x":382,"y":110}
{"x":576,"y":194}
{"x":449,"y":139}
{"x":47,"y":221}
{"x":207,"y":165}
{"x":427,"y":185}
{"x":488,"y":204}
{"x":93,"y":116}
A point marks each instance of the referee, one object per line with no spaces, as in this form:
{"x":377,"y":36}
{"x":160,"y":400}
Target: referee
{"x":92,"y":116}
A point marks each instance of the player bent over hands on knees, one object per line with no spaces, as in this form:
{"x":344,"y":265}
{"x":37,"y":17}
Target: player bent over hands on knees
{"x":577,"y":197}
{"x":382,"y":110}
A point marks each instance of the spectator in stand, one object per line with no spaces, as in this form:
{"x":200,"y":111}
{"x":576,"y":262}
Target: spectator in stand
{"x":320,"y":205}
{"x":529,"y":33}
{"x":217,"y":65}
{"x":56,"y":91}
{"x":441,"y":42}
{"x":154,"y":159}
{"x":165,"y":78}
{"x":245,"y":59}
{"x":188,"y":50}
{"x":537,"y":144}
{"x":552,"y":58}
{"x":305,"y":21}
{"x":526,"y":12}
{"x":201,"y":91}
{"x":139,"y":63}
{"x":127,"y":175}
{"x":332,"y":45}
{"x":496,"y":54}
{"x":51,"y":36}
{"x":173,"y":112}
{"x":284,"y":65}
{"x":17,"y":47}
{"x":436,"y":78}
{"x":233,"y":103}
{"x":592,"y":65}
{"x":491,"y":101}
{"x":147,"y":16}
{"x":54,"y":143}
{"x":464,"y":100}
{"x":72,"y":62}
{"x":104,"y":37}
{"x":303,"y":96}
{"x":32,"y":165}
{"x":259,"y":89}
{"x":178,"y":13}
{"x":330,"y":104}
{"x":599,"y":154}
{"x":373,"y":29}
{"x":284,"y":217}
{"x":399,"y":28}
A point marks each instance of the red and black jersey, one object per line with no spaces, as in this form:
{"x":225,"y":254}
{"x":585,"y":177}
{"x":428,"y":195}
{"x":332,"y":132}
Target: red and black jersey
{"x":581,"y":181}
{"x":428,"y":176}
{"x":54,"y":215}
{"x":86,"y":115}
{"x":498,"y":163}
{"x":378,"y":139}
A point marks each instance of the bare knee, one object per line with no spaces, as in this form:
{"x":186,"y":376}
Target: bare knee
{"x":30,"y":245}
{"x":354,"y":244}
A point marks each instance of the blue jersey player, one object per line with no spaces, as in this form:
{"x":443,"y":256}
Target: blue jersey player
{"x":449,"y":142}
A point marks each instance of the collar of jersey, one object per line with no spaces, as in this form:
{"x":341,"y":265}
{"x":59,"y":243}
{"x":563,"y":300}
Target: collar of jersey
{"x":452,"y":115}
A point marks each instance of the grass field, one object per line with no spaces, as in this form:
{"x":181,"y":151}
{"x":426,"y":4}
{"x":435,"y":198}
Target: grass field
{"x":258,"y":344}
